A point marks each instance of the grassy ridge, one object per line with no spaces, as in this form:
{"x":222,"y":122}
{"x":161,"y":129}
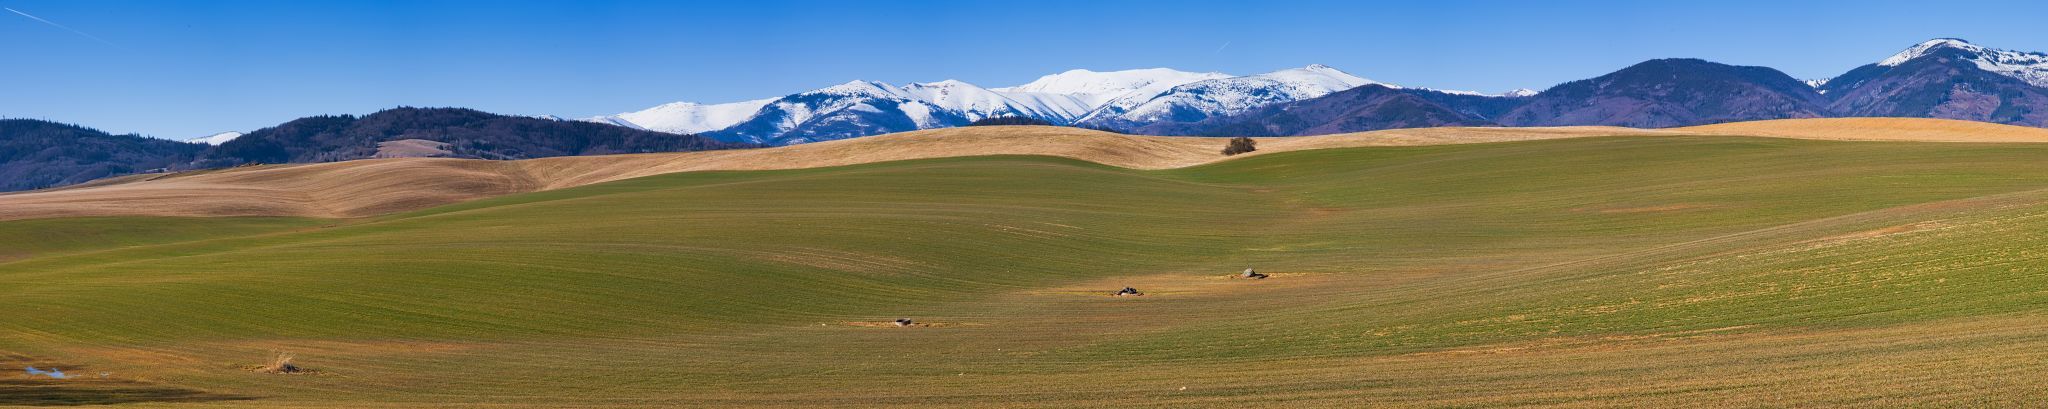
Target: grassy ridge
{"x":1669,"y":270}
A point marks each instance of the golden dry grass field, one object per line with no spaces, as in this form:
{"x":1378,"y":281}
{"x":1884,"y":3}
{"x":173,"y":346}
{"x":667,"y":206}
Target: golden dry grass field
{"x":1819,"y":265}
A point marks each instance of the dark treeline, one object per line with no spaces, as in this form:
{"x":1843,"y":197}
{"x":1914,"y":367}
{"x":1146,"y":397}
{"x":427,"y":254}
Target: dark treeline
{"x":37,"y":154}
{"x":469,"y":134}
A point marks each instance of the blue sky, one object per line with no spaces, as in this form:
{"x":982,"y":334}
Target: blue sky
{"x":181,"y":69}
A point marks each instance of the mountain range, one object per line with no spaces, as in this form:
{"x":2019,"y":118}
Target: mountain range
{"x":1941,"y":78}
{"x":1124,"y":100}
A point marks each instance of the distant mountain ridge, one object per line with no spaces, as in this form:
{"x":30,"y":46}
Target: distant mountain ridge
{"x":442,"y":132}
{"x":38,"y":154}
{"x":1671,"y":92}
{"x":1941,"y":78}
{"x":2031,"y":67}
{"x":1951,"y":79}
{"x":1200,"y":100}
{"x":1125,"y":100}
{"x":1975,"y":83}
{"x":1369,"y":107}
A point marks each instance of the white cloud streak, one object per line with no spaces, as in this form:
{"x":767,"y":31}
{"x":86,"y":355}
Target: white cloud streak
{"x":54,"y":24}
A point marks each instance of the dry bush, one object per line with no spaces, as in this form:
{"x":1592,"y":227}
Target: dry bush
{"x":282,"y":364}
{"x":1239,"y":145}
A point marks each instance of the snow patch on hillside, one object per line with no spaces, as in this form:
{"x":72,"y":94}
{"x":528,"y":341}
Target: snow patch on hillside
{"x":1227,"y":96}
{"x":2031,"y":67}
{"x":216,"y":139}
{"x":858,"y":108}
{"x":686,"y":117}
{"x":1093,"y":89}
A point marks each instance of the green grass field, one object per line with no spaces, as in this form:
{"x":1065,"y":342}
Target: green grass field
{"x":1598,"y":272}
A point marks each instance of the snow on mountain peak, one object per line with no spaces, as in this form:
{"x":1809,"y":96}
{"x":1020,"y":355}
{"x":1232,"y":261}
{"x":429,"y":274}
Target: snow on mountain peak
{"x":1320,"y":77}
{"x":1095,"y":88}
{"x":1199,"y":100}
{"x":975,"y":103}
{"x":941,"y":84}
{"x":2031,"y":67}
{"x":1460,"y":92}
{"x":1082,"y":81}
{"x":686,"y":117}
{"x":1516,"y":93}
{"x":1925,"y":47}
{"x":216,"y":139}
{"x":858,"y":108}
{"x":860,"y":87}
{"x":1330,"y":71}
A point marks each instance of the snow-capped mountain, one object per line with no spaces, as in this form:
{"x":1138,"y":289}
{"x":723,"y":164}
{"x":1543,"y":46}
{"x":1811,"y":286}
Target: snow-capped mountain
{"x":1195,"y":101}
{"x":216,"y":139}
{"x":1096,"y":88}
{"x":975,"y":103}
{"x":1120,"y":99}
{"x":1947,"y":78}
{"x":2031,"y":67}
{"x":686,"y":117}
{"x":1920,"y":81}
{"x":1515,"y":93}
{"x":1460,"y":92}
{"x":861,"y":108}
{"x":856,"y":108}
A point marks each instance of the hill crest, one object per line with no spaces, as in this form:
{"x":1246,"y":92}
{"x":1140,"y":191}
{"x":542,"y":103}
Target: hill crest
{"x":381,"y":186}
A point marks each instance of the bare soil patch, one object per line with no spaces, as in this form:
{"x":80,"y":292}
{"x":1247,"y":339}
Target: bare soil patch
{"x":411,"y":148}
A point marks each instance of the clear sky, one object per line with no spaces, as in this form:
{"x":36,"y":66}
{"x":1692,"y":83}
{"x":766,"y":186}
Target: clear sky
{"x":181,"y":69}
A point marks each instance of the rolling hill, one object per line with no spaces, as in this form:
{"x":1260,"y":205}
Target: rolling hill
{"x":379,"y":186}
{"x":1660,"y":269}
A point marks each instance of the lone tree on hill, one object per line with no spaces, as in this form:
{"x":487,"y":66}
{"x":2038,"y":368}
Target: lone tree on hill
{"x":1239,"y":145}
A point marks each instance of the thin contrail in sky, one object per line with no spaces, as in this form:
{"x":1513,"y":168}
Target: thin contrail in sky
{"x":54,"y":24}
{"x":1219,"y":49}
